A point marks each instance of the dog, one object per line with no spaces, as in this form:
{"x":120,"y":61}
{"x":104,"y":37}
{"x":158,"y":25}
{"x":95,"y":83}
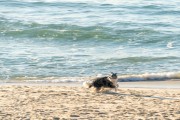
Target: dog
{"x":102,"y":83}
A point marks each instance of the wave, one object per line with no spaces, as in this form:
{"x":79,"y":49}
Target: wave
{"x":150,"y":77}
{"x":121,"y":78}
{"x":18,"y":29}
{"x":112,"y":2}
{"x":34,"y":30}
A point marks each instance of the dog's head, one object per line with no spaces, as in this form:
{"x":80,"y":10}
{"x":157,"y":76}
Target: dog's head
{"x":113,"y":75}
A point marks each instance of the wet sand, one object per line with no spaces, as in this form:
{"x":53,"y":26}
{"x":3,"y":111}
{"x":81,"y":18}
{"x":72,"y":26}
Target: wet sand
{"x":53,"y":102}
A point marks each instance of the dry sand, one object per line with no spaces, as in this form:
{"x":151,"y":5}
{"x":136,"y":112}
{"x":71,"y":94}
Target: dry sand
{"x":43,"y":102}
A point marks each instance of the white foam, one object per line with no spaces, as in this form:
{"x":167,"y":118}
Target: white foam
{"x":54,"y":79}
{"x":121,"y":78}
{"x":150,"y":76}
{"x":170,"y":45}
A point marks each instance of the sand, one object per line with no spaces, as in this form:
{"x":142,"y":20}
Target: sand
{"x":51,"y":102}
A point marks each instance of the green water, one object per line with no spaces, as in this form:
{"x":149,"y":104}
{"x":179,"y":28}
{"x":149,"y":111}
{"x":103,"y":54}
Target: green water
{"x":80,"y":38}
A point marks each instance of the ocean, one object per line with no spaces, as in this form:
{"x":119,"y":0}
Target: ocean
{"x":72,"y":40}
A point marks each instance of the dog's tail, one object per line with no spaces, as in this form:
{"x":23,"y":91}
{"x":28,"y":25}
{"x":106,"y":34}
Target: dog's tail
{"x":87,"y":84}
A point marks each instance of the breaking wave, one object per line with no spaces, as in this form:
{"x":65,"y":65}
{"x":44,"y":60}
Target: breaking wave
{"x":121,"y":78}
{"x":150,"y":77}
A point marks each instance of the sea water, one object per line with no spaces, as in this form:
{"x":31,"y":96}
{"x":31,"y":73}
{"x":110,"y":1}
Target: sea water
{"x":66,"y":40}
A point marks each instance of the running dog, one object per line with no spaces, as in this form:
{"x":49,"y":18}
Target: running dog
{"x":103,"y":82}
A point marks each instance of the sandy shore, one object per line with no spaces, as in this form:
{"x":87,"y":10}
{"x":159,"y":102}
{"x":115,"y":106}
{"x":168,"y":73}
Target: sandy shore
{"x":50,"y":102}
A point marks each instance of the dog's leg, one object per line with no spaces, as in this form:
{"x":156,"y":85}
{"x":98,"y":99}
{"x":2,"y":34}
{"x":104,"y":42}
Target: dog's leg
{"x":102,"y":89}
{"x":115,"y":89}
{"x":98,"y":89}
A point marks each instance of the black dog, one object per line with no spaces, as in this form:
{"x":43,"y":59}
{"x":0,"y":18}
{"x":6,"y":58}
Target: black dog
{"x":104,"y":82}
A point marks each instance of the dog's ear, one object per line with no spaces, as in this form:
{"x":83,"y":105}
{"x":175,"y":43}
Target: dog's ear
{"x":112,"y":73}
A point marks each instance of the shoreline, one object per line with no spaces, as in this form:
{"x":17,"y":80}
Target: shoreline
{"x":169,"y":84}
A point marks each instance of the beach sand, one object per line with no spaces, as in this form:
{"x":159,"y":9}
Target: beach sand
{"x":53,"y":102}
